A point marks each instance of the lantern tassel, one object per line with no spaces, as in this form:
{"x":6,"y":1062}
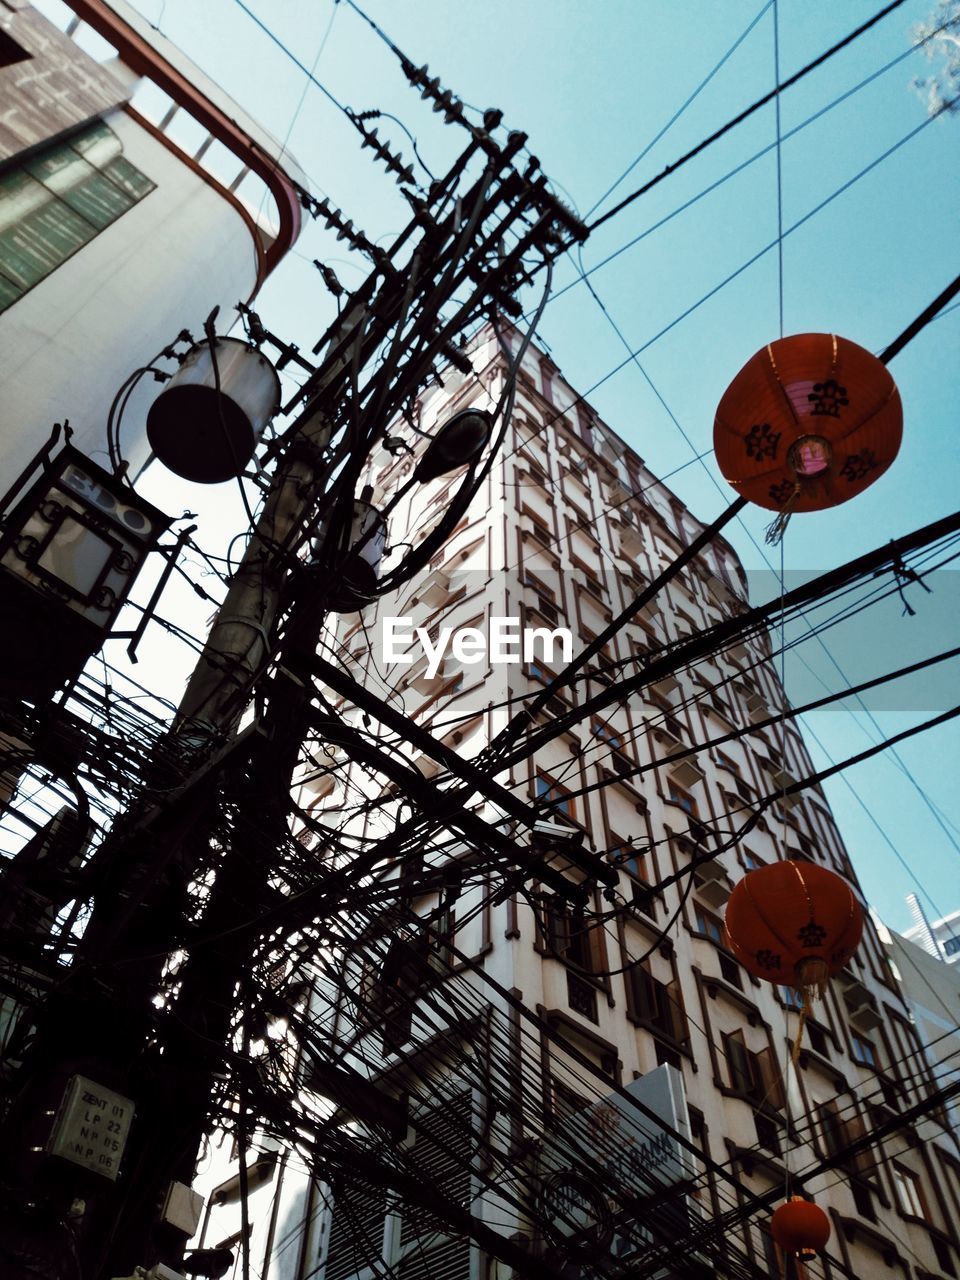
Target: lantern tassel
{"x":812,"y":983}
{"x":773,"y":535}
{"x":801,"y":1023}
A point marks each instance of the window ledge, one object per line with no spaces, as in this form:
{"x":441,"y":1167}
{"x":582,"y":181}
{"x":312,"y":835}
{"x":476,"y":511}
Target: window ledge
{"x":720,"y":986}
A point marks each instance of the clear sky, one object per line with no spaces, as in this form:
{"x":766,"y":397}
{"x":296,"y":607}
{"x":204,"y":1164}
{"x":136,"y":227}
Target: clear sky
{"x":595,"y":83}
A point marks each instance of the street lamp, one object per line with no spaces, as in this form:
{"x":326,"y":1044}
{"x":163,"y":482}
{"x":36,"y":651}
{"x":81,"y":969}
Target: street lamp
{"x":458,"y":442}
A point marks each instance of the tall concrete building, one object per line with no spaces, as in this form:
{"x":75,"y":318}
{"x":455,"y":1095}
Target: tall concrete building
{"x":939,"y":938}
{"x":932,"y":990}
{"x":135,"y":196}
{"x":590,"y":1074}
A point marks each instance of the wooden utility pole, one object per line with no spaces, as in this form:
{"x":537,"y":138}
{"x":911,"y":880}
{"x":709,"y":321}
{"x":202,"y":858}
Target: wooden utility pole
{"x":216,"y":813}
{"x":240,"y":639}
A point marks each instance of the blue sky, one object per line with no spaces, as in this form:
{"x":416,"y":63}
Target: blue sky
{"x":593,"y":83}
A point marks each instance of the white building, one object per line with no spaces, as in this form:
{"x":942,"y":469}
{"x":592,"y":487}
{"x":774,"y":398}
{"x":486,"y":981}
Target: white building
{"x":939,"y":938}
{"x":129,"y":195}
{"x":932,"y":990}
{"x":517,"y":1021}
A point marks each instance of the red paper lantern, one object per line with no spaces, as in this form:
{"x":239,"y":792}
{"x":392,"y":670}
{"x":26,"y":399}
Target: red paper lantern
{"x":794,"y":923}
{"x":800,"y":1227}
{"x":809,"y":421}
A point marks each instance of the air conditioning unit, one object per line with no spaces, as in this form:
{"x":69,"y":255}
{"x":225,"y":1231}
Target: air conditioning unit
{"x":757,"y":708}
{"x":862,"y":1007}
{"x":615,"y":491}
{"x":866,"y":1017}
{"x":556,"y":833}
{"x":782,"y":780}
{"x":712,"y":883}
{"x":666,"y":687}
{"x":608,"y":450}
{"x":629,"y":541}
{"x":436,"y":588}
{"x":687,"y":774}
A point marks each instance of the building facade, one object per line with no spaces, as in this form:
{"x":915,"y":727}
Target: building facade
{"x":932,"y":990}
{"x":589,"y":1074}
{"x":939,"y":938}
{"x":135,"y":197}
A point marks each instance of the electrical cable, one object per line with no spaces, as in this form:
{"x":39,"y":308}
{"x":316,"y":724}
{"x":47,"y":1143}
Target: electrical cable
{"x":688,"y":101}
{"x":746,"y":113}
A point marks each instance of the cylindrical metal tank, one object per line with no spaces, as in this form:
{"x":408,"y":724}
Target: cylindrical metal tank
{"x":209,"y":437}
{"x":357,"y":568}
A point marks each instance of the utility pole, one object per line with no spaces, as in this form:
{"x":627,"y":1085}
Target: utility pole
{"x":119,"y":1018}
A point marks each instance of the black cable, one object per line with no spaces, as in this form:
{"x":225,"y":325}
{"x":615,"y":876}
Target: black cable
{"x":295,"y":60}
{"x":746,"y":113}
{"x":682,"y":108}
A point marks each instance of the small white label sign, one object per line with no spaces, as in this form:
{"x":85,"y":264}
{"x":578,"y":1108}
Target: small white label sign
{"x":92,"y":1127}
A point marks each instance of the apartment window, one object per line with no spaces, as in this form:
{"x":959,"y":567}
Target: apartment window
{"x":59,"y":199}
{"x":708,"y":924}
{"x":951,"y":946}
{"x":538,"y":526}
{"x":768,"y":1136}
{"x":568,"y":934}
{"x":791,"y":998}
{"x":546,"y":599}
{"x":668,"y":720}
{"x":582,"y":997}
{"x":539,"y":671}
{"x":440,"y":940}
{"x":730,"y":971}
{"x":677,"y":795}
{"x":863,"y":1199}
{"x":553,"y":796}
{"x":634,"y":862}
{"x":623,"y":764}
{"x":716,"y":702}
{"x":539,"y":586}
{"x":753,"y":1076}
{"x":686,"y":627}
{"x":864,"y":1051}
{"x":816,"y":1037}
{"x":728,"y":763}
{"x":839,"y":1132}
{"x":909,"y":1192}
{"x":589,"y":580}
{"x":606,"y":733}
{"x":659,"y":1005}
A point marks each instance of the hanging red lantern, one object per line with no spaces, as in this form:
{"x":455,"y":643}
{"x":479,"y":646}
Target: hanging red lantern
{"x":793,"y":923}
{"x":800,"y":1227}
{"x":809,"y":422}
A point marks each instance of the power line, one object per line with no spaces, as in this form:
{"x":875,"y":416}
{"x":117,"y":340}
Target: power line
{"x":307,"y":71}
{"x":745,"y":114}
{"x":690,"y":99}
